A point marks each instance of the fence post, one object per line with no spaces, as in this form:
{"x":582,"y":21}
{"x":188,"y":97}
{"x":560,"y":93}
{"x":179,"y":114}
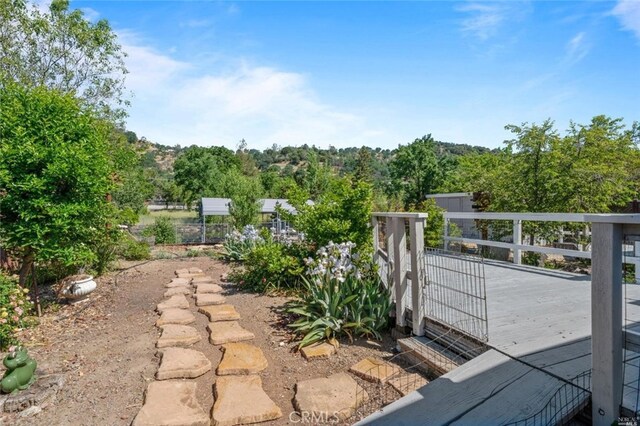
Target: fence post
{"x":517,"y":239}
{"x":606,"y":322}
{"x":376,"y":241}
{"x":400,"y":267}
{"x":416,"y":228}
{"x":445,"y":238}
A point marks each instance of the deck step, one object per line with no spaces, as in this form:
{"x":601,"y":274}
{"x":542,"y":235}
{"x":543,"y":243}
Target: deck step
{"x":429,"y":356}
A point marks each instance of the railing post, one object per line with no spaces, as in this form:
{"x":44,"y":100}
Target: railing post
{"x":606,"y":322}
{"x":399,"y":267}
{"x":416,"y":227}
{"x":376,"y":238}
{"x":517,"y":239}
{"x":445,"y":238}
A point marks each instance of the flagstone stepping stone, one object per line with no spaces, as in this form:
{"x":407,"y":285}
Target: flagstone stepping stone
{"x":241,"y":400}
{"x":227,"y":332}
{"x":175,"y":301}
{"x":178,"y":335}
{"x":241,"y":358}
{"x":182,"y":363}
{"x":189,"y":275}
{"x":332,"y":398}
{"x":199,"y":280}
{"x":177,"y":282}
{"x":207,"y":299}
{"x":171,"y":403}
{"x":208,"y":288}
{"x":195,"y":270}
{"x":407,"y":383}
{"x":374,"y":370}
{"x":182,"y":271}
{"x":177,"y":290}
{"x":318,"y":351}
{"x":220,"y":313}
{"x":175,"y":316}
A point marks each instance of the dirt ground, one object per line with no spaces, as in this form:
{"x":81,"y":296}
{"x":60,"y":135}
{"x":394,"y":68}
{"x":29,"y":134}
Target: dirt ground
{"x":106,"y":347}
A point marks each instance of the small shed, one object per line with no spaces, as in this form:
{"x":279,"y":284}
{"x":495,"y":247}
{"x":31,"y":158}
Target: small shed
{"x":215,"y":207}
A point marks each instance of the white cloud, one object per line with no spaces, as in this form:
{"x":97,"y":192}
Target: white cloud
{"x":264,"y":105}
{"x":577,"y":48}
{"x":484,"y":20}
{"x":91,"y":15}
{"x":628,"y":13}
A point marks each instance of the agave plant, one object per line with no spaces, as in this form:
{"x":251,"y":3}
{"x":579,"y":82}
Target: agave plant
{"x":337,"y":299}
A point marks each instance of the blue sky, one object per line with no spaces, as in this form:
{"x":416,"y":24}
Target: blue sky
{"x":371,"y":73}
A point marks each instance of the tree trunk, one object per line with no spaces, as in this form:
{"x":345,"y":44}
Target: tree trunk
{"x":26,"y":267}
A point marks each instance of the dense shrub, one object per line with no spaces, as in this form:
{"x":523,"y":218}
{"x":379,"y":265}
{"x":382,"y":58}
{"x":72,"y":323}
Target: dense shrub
{"x":130,"y":249}
{"x":163,"y":230}
{"x":272,"y":266}
{"x":237,"y":245}
{"x":339,"y":299}
{"x":14,"y":308}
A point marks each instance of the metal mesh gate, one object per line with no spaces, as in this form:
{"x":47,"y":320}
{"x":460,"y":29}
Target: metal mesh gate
{"x":454,"y":293}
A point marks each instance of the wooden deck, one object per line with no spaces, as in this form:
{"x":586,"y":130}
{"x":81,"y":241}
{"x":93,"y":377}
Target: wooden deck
{"x":539,"y":331}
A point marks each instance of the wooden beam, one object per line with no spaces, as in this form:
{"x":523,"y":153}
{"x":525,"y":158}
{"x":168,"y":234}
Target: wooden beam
{"x":399,"y":267}
{"x":416,"y":227}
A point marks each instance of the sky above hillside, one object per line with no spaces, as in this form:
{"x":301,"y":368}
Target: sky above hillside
{"x":371,"y":73}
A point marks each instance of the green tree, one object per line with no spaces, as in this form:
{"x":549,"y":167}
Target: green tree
{"x":62,"y":50}
{"x":55,"y":174}
{"x":416,"y":170}
{"x":244,"y":192}
{"x":363,"y":167}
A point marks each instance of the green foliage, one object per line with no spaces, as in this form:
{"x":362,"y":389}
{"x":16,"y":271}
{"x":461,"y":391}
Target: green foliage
{"x":62,"y":50}
{"x":15,"y":306}
{"x":434,"y":228}
{"x":163,"y":231}
{"x":342,"y":213}
{"x":272,"y":266}
{"x":55,"y":174}
{"x":244,"y":192}
{"x":237,"y":246}
{"x":130,"y":249}
{"x":335,"y":304}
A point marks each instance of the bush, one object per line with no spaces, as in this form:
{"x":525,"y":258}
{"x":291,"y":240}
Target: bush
{"x":237,"y":246}
{"x":14,"y":308}
{"x":339,"y":299}
{"x":130,"y":249}
{"x":272,"y":266}
{"x":163,"y":230}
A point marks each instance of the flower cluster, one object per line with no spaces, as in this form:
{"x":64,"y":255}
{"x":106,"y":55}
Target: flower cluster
{"x":14,"y":307}
{"x":333,"y":262}
{"x":237,"y":245}
{"x":248,"y":235}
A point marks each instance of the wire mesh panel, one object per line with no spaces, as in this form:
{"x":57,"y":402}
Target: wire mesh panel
{"x":454,"y":293}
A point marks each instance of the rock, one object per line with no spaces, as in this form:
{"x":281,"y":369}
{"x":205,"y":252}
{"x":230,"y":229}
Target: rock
{"x":177,"y":290}
{"x":374,"y":370}
{"x":241,"y":358}
{"x":175,"y":316}
{"x":42,"y":390}
{"x":189,"y":276}
{"x":178,"y":335}
{"x":171,"y":403}
{"x":407,"y":383}
{"x":182,"y":363}
{"x":195,"y":270}
{"x":224,"y":278}
{"x":208,"y":288}
{"x":241,"y":400}
{"x":31,"y":411}
{"x":207,"y":299}
{"x":176,"y":301}
{"x":331,"y":399}
{"x":227,"y":332}
{"x":201,"y":280}
{"x":177,"y":282}
{"x":182,"y":271}
{"x":318,"y":351}
{"x":220,"y":313}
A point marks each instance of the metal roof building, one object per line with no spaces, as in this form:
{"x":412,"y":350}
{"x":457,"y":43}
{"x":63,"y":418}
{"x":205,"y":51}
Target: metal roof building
{"x":220,"y":206}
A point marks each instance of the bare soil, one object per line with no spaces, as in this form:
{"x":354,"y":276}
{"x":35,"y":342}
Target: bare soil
{"x":106,"y":347}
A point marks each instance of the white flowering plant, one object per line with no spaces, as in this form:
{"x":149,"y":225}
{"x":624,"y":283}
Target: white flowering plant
{"x":340,"y":298}
{"x":237,"y":245}
{"x":15,"y":306}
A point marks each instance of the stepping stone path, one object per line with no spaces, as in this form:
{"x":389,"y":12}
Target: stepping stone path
{"x":227,"y":332}
{"x":202,"y":280}
{"x":318,"y":351}
{"x":177,"y":290}
{"x":241,"y":400}
{"x":182,"y":363}
{"x":241,"y":358}
{"x":208,"y":288}
{"x":176,"y":301}
{"x":171,"y":403}
{"x":178,"y":335}
{"x":338,"y":395}
{"x":375,"y":370}
{"x":407,"y":383}
{"x":177,"y":282}
{"x":206,"y":299}
{"x":217,"y":313}
{"x":175,"y":316}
